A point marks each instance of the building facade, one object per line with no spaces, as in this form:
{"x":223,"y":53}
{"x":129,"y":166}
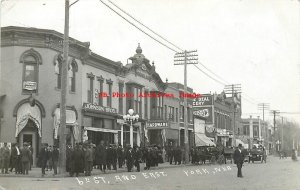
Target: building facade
{"x":222,"y":117}
{"x":100,"y":93}
{"x":256,"y":132}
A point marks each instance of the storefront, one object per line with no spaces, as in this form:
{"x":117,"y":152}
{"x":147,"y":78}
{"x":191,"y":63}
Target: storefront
{"x":99,"y":124}
{"x":72,"y":128}
{"x":29,"y":124}
{"x":156,"y":132}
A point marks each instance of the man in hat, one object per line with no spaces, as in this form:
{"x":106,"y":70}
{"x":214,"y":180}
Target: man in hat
{"x":55,"y":156}
{"x":25,"y":158}
{"x":238,"y":157}
{"x":43,"y":158}
{"x":15,"y":159}
{"x":5,"y":154}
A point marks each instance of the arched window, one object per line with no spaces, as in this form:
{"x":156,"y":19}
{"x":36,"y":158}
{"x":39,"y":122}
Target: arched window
{"x":72,"y":75}
{"x":58,"y":69}
{"x":30,"y":60}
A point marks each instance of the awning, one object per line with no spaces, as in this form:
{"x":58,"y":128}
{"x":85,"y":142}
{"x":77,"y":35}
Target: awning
{"x":26,"y":112}
{"x":202,"y":140}
{"x":70,"y":120}
{"x":100,"y":130}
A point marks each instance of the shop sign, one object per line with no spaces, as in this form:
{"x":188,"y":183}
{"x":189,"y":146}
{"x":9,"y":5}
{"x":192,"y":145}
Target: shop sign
{"x":98,"y":108}
{"x":205,"y":112}
{"x":157,"y":125}
{"x":29,"y":85}
{"x":203,"y":100}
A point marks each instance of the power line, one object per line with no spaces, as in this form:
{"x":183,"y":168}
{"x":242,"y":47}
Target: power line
{"x":145,"y":25}
{"x":209,"y":76}
{"x":216,"y":80}
{"x":137,"y":27}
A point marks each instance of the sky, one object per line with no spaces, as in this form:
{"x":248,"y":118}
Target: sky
{"x":249,"y":42}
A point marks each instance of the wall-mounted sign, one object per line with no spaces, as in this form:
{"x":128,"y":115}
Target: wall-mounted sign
{"x":199,"y":125}
{"x":97,"y":108}
{"x":29,"y":85}
{"x":157,"y":125}
{"x":205,"y":112}
{"x":203,"y":100}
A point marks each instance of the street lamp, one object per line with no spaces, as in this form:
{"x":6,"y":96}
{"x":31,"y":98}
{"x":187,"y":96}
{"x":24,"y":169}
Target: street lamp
{"x":130,"y":117}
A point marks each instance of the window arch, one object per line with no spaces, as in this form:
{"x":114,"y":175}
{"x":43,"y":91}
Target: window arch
{"x":73,"y":68}
{"x":58,"y":69}
{"x":31,"y":60}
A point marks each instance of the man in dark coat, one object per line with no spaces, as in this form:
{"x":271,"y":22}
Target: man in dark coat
{"x":78,"y":159}
{"x":120,"y":154}
{"x":238,"y":157}
{"x":137,"y":155}
{"x":43,"y":157}
{"x":112,"y":157}
{"x":101,"y":155}
{"x":15,"y":158}
{"x":55,"y":156}
{"x":26,"y":155}
{"x":147,"y":156}
{"x":129,"y":159}
{"x":5,"y":153}
{"x":170,"y":154}
{"x":88,"y":159}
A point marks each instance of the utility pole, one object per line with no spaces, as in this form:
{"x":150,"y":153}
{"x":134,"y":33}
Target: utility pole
{"x":263,"y":107}
{"x":185,"y":58}
{"x":63,"y":98}
{"x":274,"y":112}
{"x":232,"y":90}
{"x":281,"y":133}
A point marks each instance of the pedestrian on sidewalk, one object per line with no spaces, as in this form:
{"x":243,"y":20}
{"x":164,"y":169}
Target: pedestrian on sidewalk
{"x":129,"y":159}
{"x":5,"y":154}
{"x":101,"y":155}
{"x":43,"y":157}
{"x":55,"y":156}
{"x":16,"y":159}
{"x":88,"y":159}
{"x":26,"y":154}
{"x":238,"y":157}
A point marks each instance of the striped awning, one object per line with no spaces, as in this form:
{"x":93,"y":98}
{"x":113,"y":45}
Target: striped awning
{"x":203,"y":140}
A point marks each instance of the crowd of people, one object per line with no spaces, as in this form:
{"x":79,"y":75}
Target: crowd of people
{"x":85,"y":157}
{"x":20,"y":159}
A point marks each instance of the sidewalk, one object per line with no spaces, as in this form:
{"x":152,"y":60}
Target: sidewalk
{"x":37,"y":173}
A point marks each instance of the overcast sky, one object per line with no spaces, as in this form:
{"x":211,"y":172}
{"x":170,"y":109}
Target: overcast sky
{"x":249,"y":42}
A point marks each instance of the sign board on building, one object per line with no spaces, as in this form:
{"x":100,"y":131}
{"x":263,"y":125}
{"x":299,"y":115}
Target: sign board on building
{"x":199,"y":125}
{"x":29,"y":85}
{"x":98,"y":108}
{"x":205,"y":112}
{"x":203,"y":100}
{"x":157,"y":125}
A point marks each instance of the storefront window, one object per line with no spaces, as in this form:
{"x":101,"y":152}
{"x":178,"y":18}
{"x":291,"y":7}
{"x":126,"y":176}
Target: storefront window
{"x":126,"y":135}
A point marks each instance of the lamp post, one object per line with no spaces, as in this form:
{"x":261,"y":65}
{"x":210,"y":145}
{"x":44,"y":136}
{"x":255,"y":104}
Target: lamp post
{"x":130,"y":117}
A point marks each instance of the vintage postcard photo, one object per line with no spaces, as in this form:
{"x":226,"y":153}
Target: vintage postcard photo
{"x":150,"y":94}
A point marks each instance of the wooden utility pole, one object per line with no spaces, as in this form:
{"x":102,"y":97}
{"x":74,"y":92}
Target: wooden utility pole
{"x":263,"y":107}
{"x":185,"y":58}
{"x":63,"y":98}
{"x":232,"y":90}
{"x":281,"y":133}
{"x":274,"y":112}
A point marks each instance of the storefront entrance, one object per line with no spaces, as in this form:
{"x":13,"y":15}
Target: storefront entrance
{"x":155,"y":137}
{"x":96,"y":136}
{"x":30,"y":135}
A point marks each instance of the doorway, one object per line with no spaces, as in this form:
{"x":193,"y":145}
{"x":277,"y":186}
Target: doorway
{"x":30,"y":135}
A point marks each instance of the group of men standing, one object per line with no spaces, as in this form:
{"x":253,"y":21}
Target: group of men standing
{"x":175,"y":154}
{"x":86,"y":156}
{"x":17,"y":158}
